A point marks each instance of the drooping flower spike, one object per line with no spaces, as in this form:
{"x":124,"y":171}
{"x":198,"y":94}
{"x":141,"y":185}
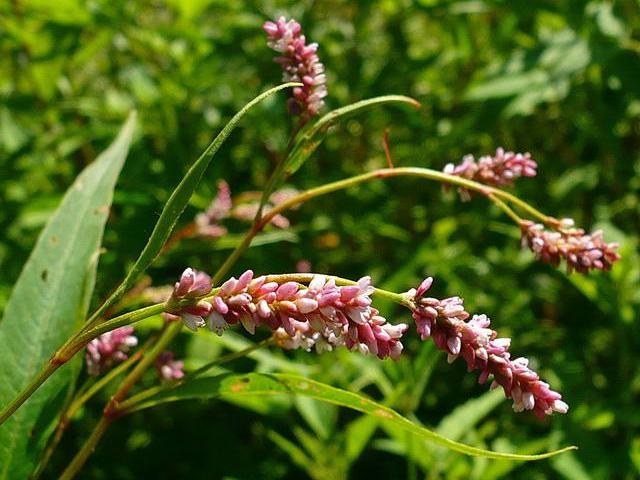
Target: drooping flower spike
{"x":581,"y":251}
{"x":108,"y":349}
{"x":497,"y":171}
{"x":300,"y":63}
{"x":323,"y":316}
{"x":445,"y":321}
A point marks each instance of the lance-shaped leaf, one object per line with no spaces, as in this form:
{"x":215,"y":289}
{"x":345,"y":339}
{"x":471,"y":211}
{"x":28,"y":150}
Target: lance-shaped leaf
{"x":256,"y":384}
{"x":311,"y":137}
{"x":313,"y":134}
{"x":49,"y":301}
{"x":178,"y":201}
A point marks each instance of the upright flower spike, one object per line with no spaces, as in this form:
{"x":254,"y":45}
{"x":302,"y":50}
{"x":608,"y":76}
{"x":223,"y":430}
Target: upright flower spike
{"x":582,"y":252}
{"x":498,"y":170}
{"x":109,"y":349}
{"x":300,"y":63}
{"x":446,"y":322}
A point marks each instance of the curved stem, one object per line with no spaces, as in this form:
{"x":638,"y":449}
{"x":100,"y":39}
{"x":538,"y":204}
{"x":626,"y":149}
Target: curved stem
{"x":384,"y":173}
{"x":87,"y":449}
{"x":505,"y":208}
{"x":84,"y":395}
{"x":73,"y":346}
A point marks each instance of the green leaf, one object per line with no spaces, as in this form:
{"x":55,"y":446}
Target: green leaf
{"x":466,"y":416}
{"x":178,"y":201}
{"x":49,"y":302}
{"x":277,"y":384}
{"x":311,"y":137}
{"x":295,"y":453}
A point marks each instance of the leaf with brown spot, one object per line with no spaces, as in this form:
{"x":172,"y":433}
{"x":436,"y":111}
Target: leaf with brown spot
{"x":259,"y":384}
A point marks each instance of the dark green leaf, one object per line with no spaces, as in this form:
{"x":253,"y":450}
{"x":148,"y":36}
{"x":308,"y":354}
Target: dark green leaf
{"x":49,"y":302}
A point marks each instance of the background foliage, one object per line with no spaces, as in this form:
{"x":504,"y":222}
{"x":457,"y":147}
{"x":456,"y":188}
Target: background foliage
{"x":557,"y":79}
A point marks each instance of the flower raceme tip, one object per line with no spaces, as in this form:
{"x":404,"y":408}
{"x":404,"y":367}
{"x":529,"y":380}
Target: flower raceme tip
{"x":300,"y":63}
{"x":446,"y":322}
{"x":581,"y":251}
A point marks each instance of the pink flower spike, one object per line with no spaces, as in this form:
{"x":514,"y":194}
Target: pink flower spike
{"x":498,"y":170}
{"x":300,"y":63}
{"x":582,"y":252}
{"x":446,"y":322}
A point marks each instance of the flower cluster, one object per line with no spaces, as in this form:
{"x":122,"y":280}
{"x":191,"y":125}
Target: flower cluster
{"x":169,"y":369}
{"x":299,"y":63}
{"x":108,"y":349}
{"x":581,"y":251}
{"x":244,"y":208}
{"x":321,"y":315}
{"x":499,"y":170}
{"x":446,"y":322}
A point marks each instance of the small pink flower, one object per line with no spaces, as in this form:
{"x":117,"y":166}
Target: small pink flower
{"x":208,"y":222}
{"x":169,"y":369}
{"x":300,"y":63}
{"x":446,"y":322}
{"x":109,"y":349}
{"x":582,"y":252}
{"x":192,"y":285}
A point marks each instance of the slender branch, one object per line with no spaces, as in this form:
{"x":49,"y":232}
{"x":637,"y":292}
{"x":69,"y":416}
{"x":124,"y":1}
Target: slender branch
{"x":385,"y":173}
{"x":87,"y":449}
{"x":42,"y":376}
{"x":505,"y":208}
{"x":84,"y":395}
{"x":130,"y":403}
{"x":170,"y":331}
{"x":73,"y":346}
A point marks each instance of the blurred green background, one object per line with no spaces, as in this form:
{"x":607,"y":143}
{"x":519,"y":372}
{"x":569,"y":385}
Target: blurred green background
{"x":560,"y":79}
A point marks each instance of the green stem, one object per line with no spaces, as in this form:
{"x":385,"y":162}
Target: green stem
{"x":87,"y":449}
{"x":84,"y":394}
{"x":130,"y":403}
{"x":385,"y":173}
{"x":73,"y":346}
{"x":42,"y":376}
{"x":235,"y":255}
{"x":120,"y":321}
{"x":171,"y":330}
{"x":505,"y":208}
